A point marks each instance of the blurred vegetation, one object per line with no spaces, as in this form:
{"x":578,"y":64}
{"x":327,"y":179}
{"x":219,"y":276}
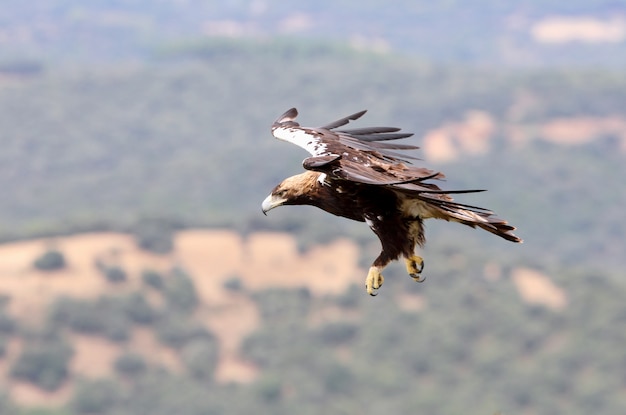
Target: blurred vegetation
{"x":114,"y":274}
{"x":51,"y":260}
{"x":43,"y":361}
{"x":96,"y":397}
{"x":186,"y":141}
{"x":476,"y":347}
{"x":490,"y":31}
{"x":153,"y":279}
{"x":130,"y":364}
{"x":155,"y":235}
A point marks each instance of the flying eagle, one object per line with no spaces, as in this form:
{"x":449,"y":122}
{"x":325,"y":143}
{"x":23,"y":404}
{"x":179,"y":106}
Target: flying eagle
{"x":361,"y":175}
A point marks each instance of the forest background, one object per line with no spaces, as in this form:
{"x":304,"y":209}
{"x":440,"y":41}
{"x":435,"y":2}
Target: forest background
{"x":138,"y":275}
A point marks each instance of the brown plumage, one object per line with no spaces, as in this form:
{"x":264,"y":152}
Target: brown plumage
{"x":358,"y":174}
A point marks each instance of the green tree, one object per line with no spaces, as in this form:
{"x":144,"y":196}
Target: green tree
{"x":155,"y":235}
{"x":51,"y":260}
{"x":95,"y":396}
{"x":180,"y":292}
{"x":152,"y":279}
{"x":130,"y":364}
{"x":44,"y":364}
{"x":138,"y":309}
{"x":200,"y":356}
{"x":114,"y":274}
{"x":176,"y":330}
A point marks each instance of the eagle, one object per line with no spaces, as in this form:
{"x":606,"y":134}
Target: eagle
{"x":364,"y":175}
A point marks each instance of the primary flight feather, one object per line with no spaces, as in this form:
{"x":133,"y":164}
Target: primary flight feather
{"x":361,"y":174}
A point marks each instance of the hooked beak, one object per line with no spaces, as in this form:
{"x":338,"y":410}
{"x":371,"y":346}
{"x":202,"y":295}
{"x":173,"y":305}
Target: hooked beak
{"x":270,"y":203}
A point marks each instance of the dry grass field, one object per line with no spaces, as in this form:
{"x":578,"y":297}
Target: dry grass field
{"x":211,"y":257}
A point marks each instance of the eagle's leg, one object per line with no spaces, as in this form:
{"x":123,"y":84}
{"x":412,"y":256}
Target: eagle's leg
{"x":374,"y":280}
{"x":414,"y":266}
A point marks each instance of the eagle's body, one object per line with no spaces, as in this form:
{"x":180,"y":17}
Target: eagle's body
{"x":358,"y":175}
{"x":381,"y":208}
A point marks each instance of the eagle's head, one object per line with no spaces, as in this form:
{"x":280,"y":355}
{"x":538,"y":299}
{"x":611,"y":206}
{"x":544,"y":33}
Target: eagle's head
{"x":294,"y":190}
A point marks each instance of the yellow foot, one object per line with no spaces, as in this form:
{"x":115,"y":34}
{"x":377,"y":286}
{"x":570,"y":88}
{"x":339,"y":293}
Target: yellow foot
{"x":373,"y":281}
{"x":414,"y":266}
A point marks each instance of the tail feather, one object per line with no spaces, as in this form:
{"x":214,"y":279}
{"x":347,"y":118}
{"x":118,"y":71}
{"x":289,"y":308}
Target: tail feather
{"x":502,"y":229}
{"x":483,"y":219}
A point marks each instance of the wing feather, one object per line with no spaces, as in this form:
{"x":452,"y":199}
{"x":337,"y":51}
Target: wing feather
{"x":360,"y":155}
{"x":344,"y":120}
{"x":288,"y":116}
{"x":382,"y":137}
{"x":369,"y":130}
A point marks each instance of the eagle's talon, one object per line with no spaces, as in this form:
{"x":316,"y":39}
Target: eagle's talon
{"x":373,"y":281}
{"x":414,"y":266}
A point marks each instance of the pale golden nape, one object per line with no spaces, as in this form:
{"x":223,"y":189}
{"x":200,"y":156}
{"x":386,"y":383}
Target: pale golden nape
{"x":299,"y":184}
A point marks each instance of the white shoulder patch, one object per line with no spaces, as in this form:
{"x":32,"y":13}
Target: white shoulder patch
{"x":302,"y":138}
{"x":322,"y":179}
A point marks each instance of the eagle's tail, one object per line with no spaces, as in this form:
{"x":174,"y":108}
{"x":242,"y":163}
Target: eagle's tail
{"x":501,"y":228}
{"x":483,"y":218}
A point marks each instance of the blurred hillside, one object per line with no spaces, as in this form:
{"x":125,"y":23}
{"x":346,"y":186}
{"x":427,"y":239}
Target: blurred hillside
{"x":229,"y":325}
{"x":166,"y":319}
{"x":138,"y":275}
{"x":186,"y":142}
{"x":519,"y":33}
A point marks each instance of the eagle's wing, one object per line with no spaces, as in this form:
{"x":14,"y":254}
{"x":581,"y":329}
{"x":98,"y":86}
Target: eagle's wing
{"x":363,"y":155}
{"x":366,"y":155}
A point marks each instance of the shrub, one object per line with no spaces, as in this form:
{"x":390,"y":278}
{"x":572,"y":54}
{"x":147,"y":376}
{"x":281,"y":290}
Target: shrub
{"x":114,"y":274}
{"x":176,"y":330}
{"x":200,"y":356}
{"x":351,"y":297}
{"x":105,"y":316}
{"x":269,"y":388}
{"x":51,"y":260}
{"x":152,"y":279}
{"x":138,"y":309}
{"x":338,"y":380}
{"x":117,"y":328}
{"x":276,"y":303}
{"x":155,"y":235}
{"x":44,"y":364}
{"x":130,"y":364}
{"x":180,"y":292}
{"x":338,"y":333}
{"x":95,"y":396}
{"x":76,"y":314}
{"x":7,"y":323}
{"x":233,"y":284}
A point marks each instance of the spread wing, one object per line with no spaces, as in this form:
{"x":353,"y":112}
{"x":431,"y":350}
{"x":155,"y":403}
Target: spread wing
{"x":372,"y":157}
{"x":364,"y":155}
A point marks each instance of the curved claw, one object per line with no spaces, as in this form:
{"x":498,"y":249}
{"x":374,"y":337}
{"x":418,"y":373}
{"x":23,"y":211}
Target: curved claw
{"x":414,"y":267}
{"x":418,"y":278}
